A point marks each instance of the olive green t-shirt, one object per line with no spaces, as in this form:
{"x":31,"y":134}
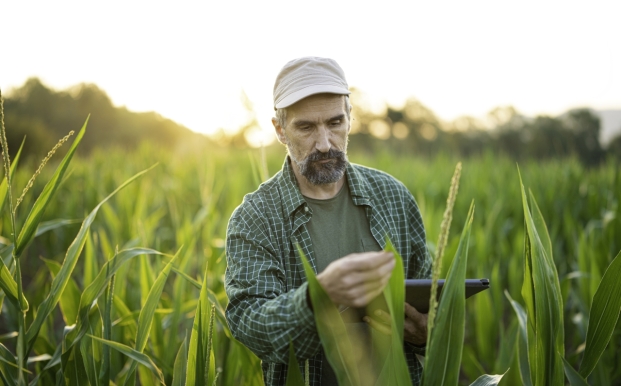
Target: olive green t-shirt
{"x":338,"y":227}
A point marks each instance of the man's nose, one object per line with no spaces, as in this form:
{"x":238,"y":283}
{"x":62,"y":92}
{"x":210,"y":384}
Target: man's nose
{"x":322,"y":143}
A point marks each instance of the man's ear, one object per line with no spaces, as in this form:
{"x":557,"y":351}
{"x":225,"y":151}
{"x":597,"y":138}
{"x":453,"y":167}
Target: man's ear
{"x":280,"y":132}
{"x":350,"y":118}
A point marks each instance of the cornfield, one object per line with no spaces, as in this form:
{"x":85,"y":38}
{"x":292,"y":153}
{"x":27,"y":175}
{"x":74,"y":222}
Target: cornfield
{"x":112,"y":266}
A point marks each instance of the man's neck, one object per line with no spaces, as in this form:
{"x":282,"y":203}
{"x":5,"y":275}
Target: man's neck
{"x":318,"y":192}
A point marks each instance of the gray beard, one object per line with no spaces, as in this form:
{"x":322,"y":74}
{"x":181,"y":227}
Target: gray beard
{"x":323,"y":173}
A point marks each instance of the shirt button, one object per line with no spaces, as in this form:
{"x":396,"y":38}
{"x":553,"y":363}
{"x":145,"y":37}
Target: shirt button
{"x":306,"y":208}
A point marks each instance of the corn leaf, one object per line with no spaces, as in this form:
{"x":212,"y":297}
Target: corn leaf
{"x":71,"y":259}
{"x":444,"y":350}
{"x":181,"y":364}
{"x":73,"y":368}
{"x":38,"y":209}
{"x":394,"y":292}
{"x":9,"y":286}
{"x":522,"y":346}
{"x":603,"y":316}
{"x":4,"y":185}
{"x":145,"y":320}
{"x":294,"y":375}
{"x":8,"y":366}
{"x":574,"y":377}
{"x":488,"y":380}
{"x":56,"y":359}
{"x":97,"y":287}
{"x":139,"y":357}
{"x":106,"y":320}
{"x":197,"y":373}
{"x":70,"y":298}
{"x":7,"y":283}
{"x":548,"y":317}
{"x":91,"y":350}
{"x":332,"y":331}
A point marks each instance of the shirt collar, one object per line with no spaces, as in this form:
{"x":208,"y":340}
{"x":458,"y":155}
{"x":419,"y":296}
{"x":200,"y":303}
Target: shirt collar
{"x":293,"y":199}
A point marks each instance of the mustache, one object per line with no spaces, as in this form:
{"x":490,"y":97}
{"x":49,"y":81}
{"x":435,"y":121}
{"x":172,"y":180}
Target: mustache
{"x":332,"y":153}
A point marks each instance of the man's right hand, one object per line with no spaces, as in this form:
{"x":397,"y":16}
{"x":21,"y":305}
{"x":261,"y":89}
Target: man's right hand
{"x":356,"y":279}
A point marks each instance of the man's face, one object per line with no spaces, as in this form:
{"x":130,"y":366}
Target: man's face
{"x":316,"y":137}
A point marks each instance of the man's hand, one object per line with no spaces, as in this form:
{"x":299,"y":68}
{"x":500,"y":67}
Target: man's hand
{"x":356,"y":279}
{"x":414,"y":327}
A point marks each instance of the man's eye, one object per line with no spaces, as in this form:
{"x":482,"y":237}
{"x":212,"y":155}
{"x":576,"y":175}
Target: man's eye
{"x":335,"y":123}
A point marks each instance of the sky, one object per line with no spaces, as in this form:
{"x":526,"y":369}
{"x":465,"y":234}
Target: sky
{"x":192,"y":61}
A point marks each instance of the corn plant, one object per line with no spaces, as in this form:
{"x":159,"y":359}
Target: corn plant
{"x":541,"y":350}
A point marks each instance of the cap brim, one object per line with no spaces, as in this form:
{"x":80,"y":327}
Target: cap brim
{"x":308,"y":91}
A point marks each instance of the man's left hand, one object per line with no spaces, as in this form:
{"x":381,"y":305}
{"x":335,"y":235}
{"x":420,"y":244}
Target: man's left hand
{"x":414,"y":327}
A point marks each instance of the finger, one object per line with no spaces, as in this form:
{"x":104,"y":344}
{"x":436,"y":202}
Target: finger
{"x":369,"y":261}
{"x":412,"y":313}
{"x":379,"y":274}
{"x":383,"y":316}
{"x":382,"y":328}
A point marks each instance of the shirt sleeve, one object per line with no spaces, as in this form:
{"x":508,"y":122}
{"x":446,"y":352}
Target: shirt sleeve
{"x":419,"y":265}
{"x":261,"y":314}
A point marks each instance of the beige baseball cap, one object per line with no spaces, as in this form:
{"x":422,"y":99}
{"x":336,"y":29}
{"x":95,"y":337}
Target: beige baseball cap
{"x":308,"y":76}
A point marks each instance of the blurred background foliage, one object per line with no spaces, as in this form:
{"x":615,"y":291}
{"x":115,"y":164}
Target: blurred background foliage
{"x":45,"y":115}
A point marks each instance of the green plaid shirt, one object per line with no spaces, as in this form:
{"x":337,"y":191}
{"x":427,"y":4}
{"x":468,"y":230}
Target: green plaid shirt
{"x":265,"y":280}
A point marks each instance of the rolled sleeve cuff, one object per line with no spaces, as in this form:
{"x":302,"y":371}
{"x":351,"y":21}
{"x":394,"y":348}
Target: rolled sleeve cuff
{"x":417,"y":349}
{"x":302,"y":311}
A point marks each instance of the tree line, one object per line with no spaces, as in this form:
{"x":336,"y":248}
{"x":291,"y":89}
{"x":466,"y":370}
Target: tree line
{"x":415,"y":128}
{"x":45,"y":115}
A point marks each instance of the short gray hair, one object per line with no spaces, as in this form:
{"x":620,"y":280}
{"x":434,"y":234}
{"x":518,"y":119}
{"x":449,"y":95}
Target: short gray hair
{"x":281,"y":114}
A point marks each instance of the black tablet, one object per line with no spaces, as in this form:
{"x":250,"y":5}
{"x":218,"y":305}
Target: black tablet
{"x":418,"y":291}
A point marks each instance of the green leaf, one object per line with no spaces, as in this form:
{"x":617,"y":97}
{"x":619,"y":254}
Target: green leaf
{"x":7,"y":283}
{"x":70,"y":299}
{"x":575,"y":379}
{"x":181,"y":364}
{"x":71,"y":259}
{"x":38,"y":209}
{"x":444,"y":350}
{"x":522,"y":341}
{"x":145,"y":320}
{"x":8,"y":366}
{"x":9,"y":286}
{"x":73,"y":367}
{"x":197,"y":354}
{"x":548,"y":307}
{"x":294,"y":375}
{"x":97,"y":287}
{"x":488,"y":380}
{"x":332,"y":331}
{"x":139,"y":357}
{"x":603,"y":316}
{"x":91,"y":350}
{"x":4,"y":185}
{"x":394,"y":292}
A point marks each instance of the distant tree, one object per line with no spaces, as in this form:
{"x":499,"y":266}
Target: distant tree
{"x":45,"y":116}
{"x":614,"y":148}
{"x":585,"y":127}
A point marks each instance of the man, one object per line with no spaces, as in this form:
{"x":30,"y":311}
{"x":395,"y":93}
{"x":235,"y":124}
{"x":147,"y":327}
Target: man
{"x":338,"y":213}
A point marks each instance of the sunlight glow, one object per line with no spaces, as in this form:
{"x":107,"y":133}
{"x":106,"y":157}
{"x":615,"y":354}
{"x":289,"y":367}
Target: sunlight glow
{"x":191,"y":61}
